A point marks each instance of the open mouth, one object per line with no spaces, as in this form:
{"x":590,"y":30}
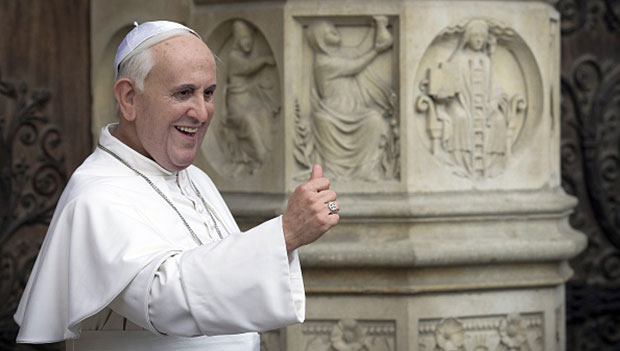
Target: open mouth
{"x":189,"y":131}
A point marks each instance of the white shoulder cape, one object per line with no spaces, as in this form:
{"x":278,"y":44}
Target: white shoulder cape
{"x":88,"y":256}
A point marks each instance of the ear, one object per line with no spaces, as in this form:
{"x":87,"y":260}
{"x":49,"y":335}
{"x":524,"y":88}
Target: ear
{"x":125,"y":93}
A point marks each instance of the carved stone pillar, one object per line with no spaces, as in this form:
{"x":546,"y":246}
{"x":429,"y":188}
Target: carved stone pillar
{"x":438,"y":123}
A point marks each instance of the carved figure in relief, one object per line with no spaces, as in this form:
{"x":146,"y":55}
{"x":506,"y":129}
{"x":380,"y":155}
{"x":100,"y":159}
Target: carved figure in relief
{"x":450,"y":335}
{"x":352,"y":106}
{"x":469,"y":117}
{"x":250,"y":103}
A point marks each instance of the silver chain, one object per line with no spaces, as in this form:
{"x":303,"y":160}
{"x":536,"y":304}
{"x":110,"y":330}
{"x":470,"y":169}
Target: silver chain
{"x":204,"y":203}
{"x":157,"y":190}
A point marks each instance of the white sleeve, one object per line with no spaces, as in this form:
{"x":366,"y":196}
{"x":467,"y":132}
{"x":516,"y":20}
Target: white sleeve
{"x":245,"y":282}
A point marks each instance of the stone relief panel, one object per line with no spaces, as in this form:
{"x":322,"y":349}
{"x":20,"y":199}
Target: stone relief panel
{"x":512,"y":332}
{"x":248,"y":101}
{"x":475,"y":97}
{"x":348,"y":122}
{"x":349,"y":335}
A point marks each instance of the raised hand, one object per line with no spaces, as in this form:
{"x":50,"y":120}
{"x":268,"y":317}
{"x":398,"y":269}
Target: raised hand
{"x":383,"y":38}
{"x":307,"y":216}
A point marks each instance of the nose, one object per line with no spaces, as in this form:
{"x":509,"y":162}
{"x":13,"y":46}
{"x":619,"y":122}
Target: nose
{"x":201,"y":109}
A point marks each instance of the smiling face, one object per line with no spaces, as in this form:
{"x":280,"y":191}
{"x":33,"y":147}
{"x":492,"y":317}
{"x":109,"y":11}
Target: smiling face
{"x":173,"y":112}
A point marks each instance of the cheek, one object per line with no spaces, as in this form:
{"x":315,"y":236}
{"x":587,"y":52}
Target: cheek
{"x":211,"y":110}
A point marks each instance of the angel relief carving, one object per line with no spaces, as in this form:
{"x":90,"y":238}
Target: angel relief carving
{"x":251,"y":101}
{"x":471,"y":121}
{"x":351,"y":128}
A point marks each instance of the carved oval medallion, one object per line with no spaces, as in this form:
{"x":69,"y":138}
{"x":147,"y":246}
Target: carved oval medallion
{"x":480,"y":94}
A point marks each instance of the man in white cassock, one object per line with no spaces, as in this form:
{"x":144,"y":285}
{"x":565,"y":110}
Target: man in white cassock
{"x":143,"y":237}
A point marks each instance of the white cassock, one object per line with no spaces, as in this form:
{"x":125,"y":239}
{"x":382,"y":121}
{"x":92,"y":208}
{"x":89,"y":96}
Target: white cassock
{"x":114,"y":242}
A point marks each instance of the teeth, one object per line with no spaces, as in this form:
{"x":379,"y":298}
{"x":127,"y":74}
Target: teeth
{"x":187,"y":129}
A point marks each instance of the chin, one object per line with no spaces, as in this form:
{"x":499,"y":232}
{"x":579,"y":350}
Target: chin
{"x":176,"y":164}
{"x":183,"y":164}
{"x":183,"y":158}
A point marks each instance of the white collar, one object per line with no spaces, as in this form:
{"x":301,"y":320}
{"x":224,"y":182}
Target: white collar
{"x":135,"y":159}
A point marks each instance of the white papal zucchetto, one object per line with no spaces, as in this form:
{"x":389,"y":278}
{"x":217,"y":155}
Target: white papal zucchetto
{"x":142,"y":32}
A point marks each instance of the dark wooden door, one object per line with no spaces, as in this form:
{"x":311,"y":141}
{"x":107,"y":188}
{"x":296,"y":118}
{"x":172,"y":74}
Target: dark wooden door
{"x":44,"y":131}
{"x":591,"y":167}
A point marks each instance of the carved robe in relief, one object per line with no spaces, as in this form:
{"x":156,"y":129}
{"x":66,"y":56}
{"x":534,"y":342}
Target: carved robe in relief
{"x":248,"y":110}
{"x":348,"y":120}
{"x":115,"y":243}
{"x":472,"y":107}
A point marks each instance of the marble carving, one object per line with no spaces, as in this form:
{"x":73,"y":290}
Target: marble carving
{"x":511,"y":332}
{"x":472,"y":122}
{"x":352,"y":128}
{"x":349,"y":335}
{"x":251,"y":102}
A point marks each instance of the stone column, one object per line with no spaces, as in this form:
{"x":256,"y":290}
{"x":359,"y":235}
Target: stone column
{"x":438,"y":123}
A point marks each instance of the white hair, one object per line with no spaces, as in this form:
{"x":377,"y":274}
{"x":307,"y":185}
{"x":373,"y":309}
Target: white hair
{"x":138,"y":64}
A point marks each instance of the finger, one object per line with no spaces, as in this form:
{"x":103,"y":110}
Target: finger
{"x":327,"y":195}
{"x":317,"y":184}
{"x":332,"y":220}
{"x":317,"y":172}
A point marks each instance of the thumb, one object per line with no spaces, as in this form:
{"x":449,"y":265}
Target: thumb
{"x":317,"y":172}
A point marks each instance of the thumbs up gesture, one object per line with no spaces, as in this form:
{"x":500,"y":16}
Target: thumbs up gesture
{"x":308,"y":215}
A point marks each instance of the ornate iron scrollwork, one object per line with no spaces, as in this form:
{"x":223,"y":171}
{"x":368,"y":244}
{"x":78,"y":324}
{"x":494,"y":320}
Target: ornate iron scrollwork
{"x":32,"y":175}
{"x":591,"y":167}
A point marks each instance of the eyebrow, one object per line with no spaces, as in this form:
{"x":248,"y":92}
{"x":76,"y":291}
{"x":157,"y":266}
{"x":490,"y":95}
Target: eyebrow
{"x":192,"y":86}
{"x":185,"y":86}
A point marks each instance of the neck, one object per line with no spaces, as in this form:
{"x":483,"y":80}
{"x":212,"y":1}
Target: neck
{"x":128,"y":136}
